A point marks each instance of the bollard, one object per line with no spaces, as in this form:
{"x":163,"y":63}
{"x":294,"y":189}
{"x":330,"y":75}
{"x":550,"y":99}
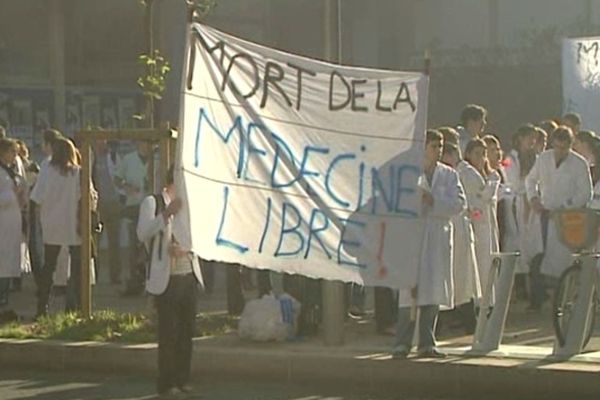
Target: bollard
{"x":494,"y":306}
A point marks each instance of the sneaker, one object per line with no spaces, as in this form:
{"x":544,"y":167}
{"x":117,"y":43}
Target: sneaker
{"x":431,"y":353}
{"x":400,"y":352}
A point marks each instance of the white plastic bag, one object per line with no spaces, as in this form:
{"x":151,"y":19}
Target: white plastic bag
{"x":269,"y":318}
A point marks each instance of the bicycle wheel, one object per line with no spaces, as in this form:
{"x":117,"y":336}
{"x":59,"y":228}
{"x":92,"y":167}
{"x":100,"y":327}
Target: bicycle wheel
{"x":565,"y":298}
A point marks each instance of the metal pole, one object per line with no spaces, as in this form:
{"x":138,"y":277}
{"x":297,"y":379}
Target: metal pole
{"x":333,"y":291}
{"x":86,"y":235}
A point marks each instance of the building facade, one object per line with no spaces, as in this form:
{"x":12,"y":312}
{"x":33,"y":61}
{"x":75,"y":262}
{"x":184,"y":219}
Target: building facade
{"x":73,"y":63}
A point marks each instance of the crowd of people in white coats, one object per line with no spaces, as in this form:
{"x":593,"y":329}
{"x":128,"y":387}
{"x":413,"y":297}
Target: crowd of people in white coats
{"x":478,"y":201}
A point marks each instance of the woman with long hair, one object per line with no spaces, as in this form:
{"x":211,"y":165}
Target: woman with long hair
{"x":519,"y":162}
{"x":481,"y":187}
{"x":467,"y":286}
{"x":57,"y":193}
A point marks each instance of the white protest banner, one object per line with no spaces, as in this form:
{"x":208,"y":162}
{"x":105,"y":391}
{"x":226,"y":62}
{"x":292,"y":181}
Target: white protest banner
{"x":581,"y":80}
{"x":300,"y":166}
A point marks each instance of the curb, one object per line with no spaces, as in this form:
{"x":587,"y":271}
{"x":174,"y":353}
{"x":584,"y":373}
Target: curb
{"x":350,"y":370}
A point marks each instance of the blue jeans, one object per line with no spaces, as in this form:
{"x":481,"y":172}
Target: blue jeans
{"x":406,"y":328}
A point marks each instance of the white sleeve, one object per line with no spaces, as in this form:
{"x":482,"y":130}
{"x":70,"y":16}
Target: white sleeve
{"x":39,"y":189}
{"x":148,"y":223}
{"x":451,"y":200}
{"x":532,"y":180}
{"x":583,"y":192}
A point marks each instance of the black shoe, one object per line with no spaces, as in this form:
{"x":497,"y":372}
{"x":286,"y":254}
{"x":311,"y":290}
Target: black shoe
{"x":399,"y":354}
{"x":431,"y":353}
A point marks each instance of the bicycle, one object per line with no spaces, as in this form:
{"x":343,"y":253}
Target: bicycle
{"x":578,"y":230}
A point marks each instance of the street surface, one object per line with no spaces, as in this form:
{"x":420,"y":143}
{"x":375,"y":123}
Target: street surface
{"x":33,"y":385}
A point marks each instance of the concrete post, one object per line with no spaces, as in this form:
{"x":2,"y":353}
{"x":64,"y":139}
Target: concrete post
{"x":333,"y":291}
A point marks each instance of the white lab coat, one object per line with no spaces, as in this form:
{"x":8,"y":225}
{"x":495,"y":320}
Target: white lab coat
{"x":63,"y":261}
{"x":482,"y":201}
{"x":467,"y":285}
{"x":149,"y":226}
{"x":516,"y":213}
{"x":566,"y":186}
{"x":58,"y":197}
{"x":435,"y":284}
{"x":10,"y":229}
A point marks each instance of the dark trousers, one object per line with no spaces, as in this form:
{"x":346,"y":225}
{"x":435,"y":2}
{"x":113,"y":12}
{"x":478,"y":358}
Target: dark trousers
{"x":235,"y":294}
{"x":111,"y":218}
{"x":137,"y":265}
{"x":176,"y":318}
{"x":465,"y":314}
{"x":208,"y":275}
{"x":537,"y":280}
{"x":36,"y":264}
{"x":406,"y":328}
{"x":308,"y":292}
{"x":386,"y":308}
{"x":73,"y":302}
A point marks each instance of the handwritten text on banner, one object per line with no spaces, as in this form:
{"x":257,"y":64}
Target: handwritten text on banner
{"x":300,"y":166}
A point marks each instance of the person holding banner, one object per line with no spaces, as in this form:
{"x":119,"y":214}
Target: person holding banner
{"x":517,"y":222}
{"x":442,"y":198}
{"x":172,"y":277}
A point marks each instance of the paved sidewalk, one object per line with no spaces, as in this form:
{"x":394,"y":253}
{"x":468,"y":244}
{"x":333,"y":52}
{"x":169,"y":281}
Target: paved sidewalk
{"x":522,"y":367}
{"x":523,"y":328}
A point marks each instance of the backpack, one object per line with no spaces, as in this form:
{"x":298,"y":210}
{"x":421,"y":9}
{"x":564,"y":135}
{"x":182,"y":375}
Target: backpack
{"x":159,"y":201}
